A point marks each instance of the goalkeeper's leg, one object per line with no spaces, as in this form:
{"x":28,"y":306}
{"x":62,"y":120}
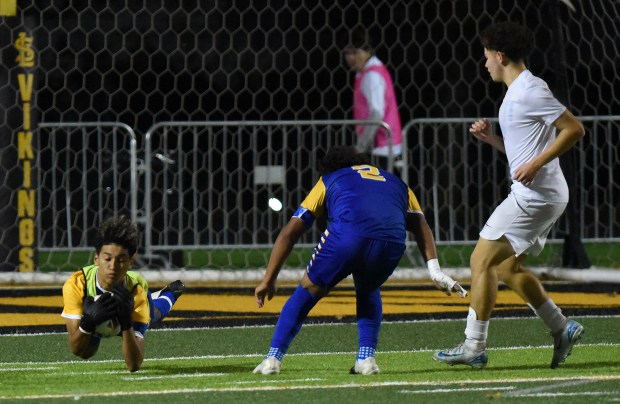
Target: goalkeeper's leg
{"x":161,"y":302}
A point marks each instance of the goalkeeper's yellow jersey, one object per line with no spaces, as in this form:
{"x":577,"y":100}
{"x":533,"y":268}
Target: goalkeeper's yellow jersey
{"x":83,"y":283}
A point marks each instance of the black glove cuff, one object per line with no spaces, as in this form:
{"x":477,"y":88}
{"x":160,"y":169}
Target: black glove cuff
{"x":125,"y":326}
{"x":87,"y":324}
{"x":125,"y":322}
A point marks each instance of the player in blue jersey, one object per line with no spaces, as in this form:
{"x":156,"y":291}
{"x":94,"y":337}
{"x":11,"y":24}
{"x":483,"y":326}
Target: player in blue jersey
{"x":368,"y":212}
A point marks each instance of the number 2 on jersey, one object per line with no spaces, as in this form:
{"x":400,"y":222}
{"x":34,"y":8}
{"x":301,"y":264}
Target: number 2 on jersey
{"x":369,"y":172}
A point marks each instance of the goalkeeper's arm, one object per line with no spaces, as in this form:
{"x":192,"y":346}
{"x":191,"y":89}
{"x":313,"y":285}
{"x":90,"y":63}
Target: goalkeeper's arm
{"x":81,"y":344}
{"x":416,"y":223}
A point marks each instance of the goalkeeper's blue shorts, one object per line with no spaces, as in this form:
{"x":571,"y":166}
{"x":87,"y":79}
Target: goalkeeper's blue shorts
{"x":337,"y":256}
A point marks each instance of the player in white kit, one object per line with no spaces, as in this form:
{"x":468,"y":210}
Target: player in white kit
{"x":536,"y":128}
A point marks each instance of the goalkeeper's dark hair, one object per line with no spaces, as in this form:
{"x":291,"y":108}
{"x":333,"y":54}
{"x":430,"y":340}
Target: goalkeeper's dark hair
{"x":340,"y":157}
{"x":118,"y":230}
{"x":512,"y":39}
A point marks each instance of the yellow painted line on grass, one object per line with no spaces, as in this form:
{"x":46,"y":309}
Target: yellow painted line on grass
{"x":338,"y":304}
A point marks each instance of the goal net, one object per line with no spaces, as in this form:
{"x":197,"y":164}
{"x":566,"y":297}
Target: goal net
{"x":141,"y":63}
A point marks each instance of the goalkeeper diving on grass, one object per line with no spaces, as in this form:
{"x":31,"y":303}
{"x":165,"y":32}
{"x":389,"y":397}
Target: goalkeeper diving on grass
{"x":107,"y":299}
{"x":368,"y":212}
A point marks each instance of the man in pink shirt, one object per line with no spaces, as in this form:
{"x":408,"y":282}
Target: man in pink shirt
{"x":373,"y":99}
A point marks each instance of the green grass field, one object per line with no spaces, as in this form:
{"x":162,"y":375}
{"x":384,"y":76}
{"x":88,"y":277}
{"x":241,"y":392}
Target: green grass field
{"x":606,"y":255}
{"x":215,"y":365}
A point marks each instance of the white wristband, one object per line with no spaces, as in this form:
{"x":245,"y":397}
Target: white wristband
{"x":84,"y":332}
{"x":433,"y":265}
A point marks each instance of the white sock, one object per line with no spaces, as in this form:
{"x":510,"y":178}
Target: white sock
{"x":476,"y":331}
{"x":551,"y":315}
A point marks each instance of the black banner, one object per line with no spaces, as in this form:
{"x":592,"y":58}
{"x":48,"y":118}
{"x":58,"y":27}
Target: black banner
{"x":17,"y":155}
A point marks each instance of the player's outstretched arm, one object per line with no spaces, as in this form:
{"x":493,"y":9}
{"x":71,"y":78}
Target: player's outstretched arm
{"x":281,"y":249}
{"x":133,"y":346}
{"x":80,"y":331}
{"x":416,"y":223}
{"x":80,"y":342}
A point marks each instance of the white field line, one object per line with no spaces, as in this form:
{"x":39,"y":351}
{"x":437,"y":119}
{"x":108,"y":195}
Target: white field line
{"x":236,"y":388}
{"x":237,"y":327}
{"x":540,"y":389}
{"x":260,"y":355}
{"x":177,"y":376}
{"x":574,"y":394}
{"x":456,"y":390}
{"x":276,"y":381}
{"x":21,"y":369}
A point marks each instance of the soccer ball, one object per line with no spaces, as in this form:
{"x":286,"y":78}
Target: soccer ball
{"x":108,"y":328}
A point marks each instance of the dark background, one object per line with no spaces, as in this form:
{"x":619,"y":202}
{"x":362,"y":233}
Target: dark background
{"x":142,"y":62}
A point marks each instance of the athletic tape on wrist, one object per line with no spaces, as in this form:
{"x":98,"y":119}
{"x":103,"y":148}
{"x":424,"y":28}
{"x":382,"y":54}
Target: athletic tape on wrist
{"x":433,"y":265}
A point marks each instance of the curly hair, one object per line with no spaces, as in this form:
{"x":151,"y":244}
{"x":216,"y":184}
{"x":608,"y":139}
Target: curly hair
{"x":118,"y":230}
{"x":340,"y":157}
{"x":512,"y":39}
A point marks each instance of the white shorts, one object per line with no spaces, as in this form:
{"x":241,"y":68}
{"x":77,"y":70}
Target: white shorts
{"x":525,"y":223}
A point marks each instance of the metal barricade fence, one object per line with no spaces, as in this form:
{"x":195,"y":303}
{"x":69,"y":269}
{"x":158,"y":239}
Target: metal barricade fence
{"x":208,"y":185}
{"x":85,"y":172}
{"x":459,"y":179}
{"x":218,"y":185}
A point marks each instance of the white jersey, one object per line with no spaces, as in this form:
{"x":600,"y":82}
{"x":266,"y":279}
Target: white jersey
{"x":526,"y":118}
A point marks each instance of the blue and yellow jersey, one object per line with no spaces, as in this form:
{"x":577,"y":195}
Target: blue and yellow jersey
{"x":361,"y":200}
{"x":84,"y":283}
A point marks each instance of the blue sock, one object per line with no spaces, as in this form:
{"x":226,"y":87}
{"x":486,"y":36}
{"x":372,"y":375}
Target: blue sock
{"x":277,"y":352}
{"x":170,"y":296}
{"x":365,"y":352}
{"x":369,"y":316}
{"x":291,"y":319}
{"x":162,"y":303}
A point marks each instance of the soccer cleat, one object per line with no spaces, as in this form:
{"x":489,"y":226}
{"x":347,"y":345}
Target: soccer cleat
{"x":366,"y":367}
{"x":269,"y":366}
{"x":177,"y":288}
{"x":564,"y":340}
{"x":462,"y":355}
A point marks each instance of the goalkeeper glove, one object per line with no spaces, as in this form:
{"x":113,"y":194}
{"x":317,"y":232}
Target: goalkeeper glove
{"x":443,"y":281}
{"x":96,"y":312}
{"x":124,"y":307}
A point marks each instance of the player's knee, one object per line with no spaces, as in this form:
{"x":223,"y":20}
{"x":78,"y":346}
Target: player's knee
{"x":314,"y":290}
{"x":479,"y":261}
{"x":506,"y":277}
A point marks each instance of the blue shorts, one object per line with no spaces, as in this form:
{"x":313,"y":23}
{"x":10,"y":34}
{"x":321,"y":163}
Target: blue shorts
{"x":337,"y":256}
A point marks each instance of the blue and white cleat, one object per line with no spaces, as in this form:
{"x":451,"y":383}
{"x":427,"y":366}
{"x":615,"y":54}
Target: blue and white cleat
{"x":564,"y":340}
{"x":462,"y":355}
